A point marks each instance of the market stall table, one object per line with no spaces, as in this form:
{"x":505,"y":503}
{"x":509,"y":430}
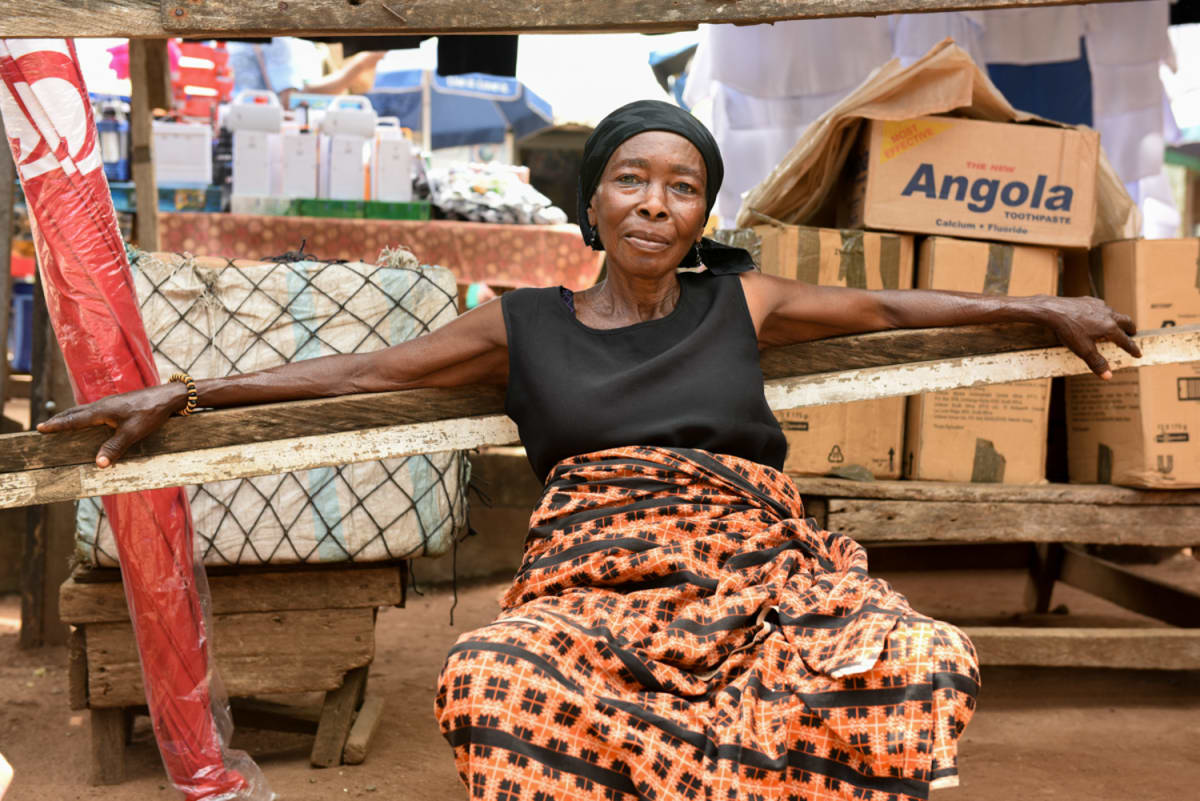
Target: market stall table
{"x":499,"y":255}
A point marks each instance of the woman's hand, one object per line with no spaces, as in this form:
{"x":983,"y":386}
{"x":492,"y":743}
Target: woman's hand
{"x":133,"y":416}
{"x":1080,"y":323}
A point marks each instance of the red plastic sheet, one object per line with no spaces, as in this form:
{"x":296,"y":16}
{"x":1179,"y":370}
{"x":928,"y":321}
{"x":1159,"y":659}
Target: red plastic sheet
{"x":93,"y":308}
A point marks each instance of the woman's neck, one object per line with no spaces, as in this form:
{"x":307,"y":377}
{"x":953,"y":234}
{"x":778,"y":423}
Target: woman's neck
{"x":625,"y":300}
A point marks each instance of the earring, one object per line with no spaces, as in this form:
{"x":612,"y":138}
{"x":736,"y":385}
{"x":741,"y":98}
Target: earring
{"x":692,"y":259}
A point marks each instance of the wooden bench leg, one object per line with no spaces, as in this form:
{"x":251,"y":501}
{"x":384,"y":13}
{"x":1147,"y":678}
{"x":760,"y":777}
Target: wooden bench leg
{"x":336,"y":716}
{"x":1044,"y":568}
{"x":108,"y":727}
{"x":365,"y":725}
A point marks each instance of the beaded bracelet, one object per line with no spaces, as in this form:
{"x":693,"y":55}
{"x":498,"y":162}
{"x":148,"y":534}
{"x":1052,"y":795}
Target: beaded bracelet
{"x":192,"y":396}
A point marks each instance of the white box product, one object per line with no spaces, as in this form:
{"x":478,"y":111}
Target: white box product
{"x":301,"y":163}
{"x":257,"y":163}
{"x":343,"y":167}
{"x":182,"y":153}
{"x":391,"y":167}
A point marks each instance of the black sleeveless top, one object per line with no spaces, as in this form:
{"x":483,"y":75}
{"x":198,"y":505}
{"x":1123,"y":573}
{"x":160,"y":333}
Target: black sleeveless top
{"x":690,"y":379}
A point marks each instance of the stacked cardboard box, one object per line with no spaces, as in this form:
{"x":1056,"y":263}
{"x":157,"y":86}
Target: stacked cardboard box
{"x":1026,"y":190}
{"x":1028,"y":184}
{"x":1141,"y":428}
{"x":987,"y":433}
{"x":870,"y":434}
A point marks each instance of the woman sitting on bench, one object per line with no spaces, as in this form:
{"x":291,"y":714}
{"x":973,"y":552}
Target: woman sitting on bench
{"x":678,"y":629}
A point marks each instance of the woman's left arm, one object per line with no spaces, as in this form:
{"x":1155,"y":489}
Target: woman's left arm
{"x":785,"y":312}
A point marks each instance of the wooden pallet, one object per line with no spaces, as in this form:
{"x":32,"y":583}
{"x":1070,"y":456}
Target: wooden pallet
{"x":275,"y":632}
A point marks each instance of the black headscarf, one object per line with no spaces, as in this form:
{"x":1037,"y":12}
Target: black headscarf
{"x":655,"y":115}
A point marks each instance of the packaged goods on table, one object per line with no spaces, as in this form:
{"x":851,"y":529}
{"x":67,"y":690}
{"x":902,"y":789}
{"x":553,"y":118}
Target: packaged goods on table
{"x":1142,"y":427}
{"x":491,"y":193}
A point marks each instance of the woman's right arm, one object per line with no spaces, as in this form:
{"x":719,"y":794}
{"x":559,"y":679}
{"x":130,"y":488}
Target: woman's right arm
{"x":472,"y":349}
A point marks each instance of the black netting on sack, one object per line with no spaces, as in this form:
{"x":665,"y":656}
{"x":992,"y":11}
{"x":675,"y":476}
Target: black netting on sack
{"x":212,"y":317}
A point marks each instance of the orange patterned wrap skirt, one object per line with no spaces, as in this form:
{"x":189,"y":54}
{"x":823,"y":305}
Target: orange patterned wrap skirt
{"x":678,"y":630}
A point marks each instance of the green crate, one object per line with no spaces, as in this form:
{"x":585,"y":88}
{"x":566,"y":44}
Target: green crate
{"x":324,"y":207}
{"x":383,"y":210}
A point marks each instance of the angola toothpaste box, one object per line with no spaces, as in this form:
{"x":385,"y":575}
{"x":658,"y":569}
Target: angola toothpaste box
{"x":1028,"y":183}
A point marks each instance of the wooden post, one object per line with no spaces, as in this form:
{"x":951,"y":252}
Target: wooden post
{"x":50,"y":528}
{"x":7,"y":178}
{"x":147,"y":71}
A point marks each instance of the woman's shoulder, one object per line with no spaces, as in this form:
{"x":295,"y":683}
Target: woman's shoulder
{"x":528,"y":301}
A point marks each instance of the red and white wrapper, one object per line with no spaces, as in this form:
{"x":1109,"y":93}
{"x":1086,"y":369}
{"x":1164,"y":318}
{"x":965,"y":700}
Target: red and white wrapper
{"x":93,"y":308}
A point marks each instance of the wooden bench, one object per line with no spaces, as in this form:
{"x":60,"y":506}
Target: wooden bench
{"x":1042,"y":529}
{"x":276,"y":631}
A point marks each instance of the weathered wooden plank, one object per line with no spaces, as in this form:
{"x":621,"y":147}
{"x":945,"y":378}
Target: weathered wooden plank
{"x":278,"y":421}
{"x":107,"y":729}
{"x":258,"y":653}
{"x":366,"y":723}
{"x":54,"y":18}
{"x":1090,"y":494}
{"x":356,"y":412}
{"x":875,"y":520}
{"x":1127,"y":589}
{"x":77,"y":669}
{"x":8,"y":177}
{"x":943,"y":374}
{"x":1151,"y":648}
{"x":232,"y":17}
{"x":147,"y":73}
{"x":883,"y":348}
{"x":336,"y":715}
{"x":265,"y":423}
{"x":295,"y":589}
{"x":149,"y":472}
{"x":261,"y":459}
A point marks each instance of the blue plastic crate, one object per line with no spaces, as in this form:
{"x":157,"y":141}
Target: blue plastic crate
{"x":20,"y":327}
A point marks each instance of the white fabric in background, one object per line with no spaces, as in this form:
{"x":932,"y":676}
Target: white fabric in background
{"x":1121,"y":88}
{"x":1127,"y":33}
{"x":1031,"y":35}
{"x":914,"y":34}
{"x":1133,"y":141}
{"x":1126,"y":43}
{"x":768,"y":82}
{"x":754,"y":134}
{"x":1160,"y":215}
{"x":794,"y":58}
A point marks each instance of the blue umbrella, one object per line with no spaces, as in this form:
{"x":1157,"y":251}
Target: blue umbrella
{"x":471,"y":109}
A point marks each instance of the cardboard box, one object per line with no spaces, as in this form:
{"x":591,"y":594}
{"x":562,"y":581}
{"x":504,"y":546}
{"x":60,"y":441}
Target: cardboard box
{"x":870,"y":433}
{"x":1030,"y":184}
{"x":182,"y":153}
{"x":990,"y":433}
{"x":1142,"y":428}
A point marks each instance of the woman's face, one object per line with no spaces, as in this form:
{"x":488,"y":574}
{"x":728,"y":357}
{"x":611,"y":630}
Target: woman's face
{"x":649,"y":206}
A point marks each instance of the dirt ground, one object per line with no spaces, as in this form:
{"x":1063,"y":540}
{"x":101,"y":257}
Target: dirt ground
{"x":1038,"y":733}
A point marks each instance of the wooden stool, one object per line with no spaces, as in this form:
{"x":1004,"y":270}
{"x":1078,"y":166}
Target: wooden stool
{"x":276,"y":631}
